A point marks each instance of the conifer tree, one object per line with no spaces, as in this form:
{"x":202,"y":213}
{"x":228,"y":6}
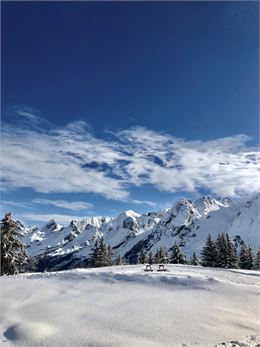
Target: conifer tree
{"x":209,"y":254}
{"x":194,"y":259}
{"x":243,"y":256}
{"x":246,"y":257}
{"x":13,"y":253}
{"x":142,"y":259}
{"x":250,"y":258}
{"x":109,"y":256}
{"x":161,"y":256}
{"x":177,"y":257}
{"x":257,"y":260}
{"x":221,"y":244}
{"x":150,"y":258}
{"x":119,"y":260}
{"x":101,"y":255}
{"x":232,"y":257}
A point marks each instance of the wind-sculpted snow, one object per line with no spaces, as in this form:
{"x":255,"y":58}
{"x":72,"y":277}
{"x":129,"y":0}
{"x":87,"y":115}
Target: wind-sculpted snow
{"x":187,"y":223}
{"x":125,"y":306}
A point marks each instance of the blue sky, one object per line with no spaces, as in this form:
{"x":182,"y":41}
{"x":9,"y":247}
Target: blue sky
{"x":118,"y":105}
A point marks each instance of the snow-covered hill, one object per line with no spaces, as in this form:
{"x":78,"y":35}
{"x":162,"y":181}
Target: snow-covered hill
{"x":187,"y":223}
{"x":125,"y":306}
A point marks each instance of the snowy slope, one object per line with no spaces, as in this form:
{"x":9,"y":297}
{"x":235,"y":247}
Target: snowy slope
{"x":124,"y":306}
{"x":187,"y":223}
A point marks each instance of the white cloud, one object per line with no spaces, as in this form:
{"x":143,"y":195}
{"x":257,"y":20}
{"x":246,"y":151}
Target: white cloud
{"x":71,"y":159}
{"x":143,"y":202}
{"x":59,"y":218}
{"x":74,"y":206}
{"x":19,"y":204}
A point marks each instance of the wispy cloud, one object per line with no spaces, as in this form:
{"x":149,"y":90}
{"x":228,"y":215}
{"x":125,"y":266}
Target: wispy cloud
{"x":59,"y":218}
{"x":72,"y":159}
{"x":74,"y":206}
{"x":143,"y":202}
{"x":19,"y":204}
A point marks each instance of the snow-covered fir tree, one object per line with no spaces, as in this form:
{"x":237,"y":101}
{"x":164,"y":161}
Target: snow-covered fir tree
{"x":177,"y":256}
{"x":209,"y":253}
{"x":13,"y":253}
{"x":232,"y":257}
{"x":194,"y":259}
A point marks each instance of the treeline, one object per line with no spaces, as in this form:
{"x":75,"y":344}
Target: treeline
{"x":219,"y":253}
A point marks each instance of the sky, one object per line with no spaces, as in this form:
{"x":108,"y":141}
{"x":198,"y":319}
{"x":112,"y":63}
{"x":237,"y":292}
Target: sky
{"x":109,"y":106}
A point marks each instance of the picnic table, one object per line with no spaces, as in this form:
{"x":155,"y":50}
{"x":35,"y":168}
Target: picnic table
{"x":148,"y":267}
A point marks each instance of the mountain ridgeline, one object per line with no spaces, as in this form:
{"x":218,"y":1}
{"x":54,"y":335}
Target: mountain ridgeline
{"x":187,"y":223}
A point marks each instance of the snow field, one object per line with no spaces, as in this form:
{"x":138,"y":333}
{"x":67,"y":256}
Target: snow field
{"x":125,"y":306}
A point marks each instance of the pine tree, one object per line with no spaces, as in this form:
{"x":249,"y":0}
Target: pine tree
{"x":119,"y":260}
{"x":142,"y":257}
{"x":161,"y":256}
{"x":246,"y":257}
{"x":250,"y":258}
{"x":222,"y":247}
{"x":243,"y":256}
{"x":257,"y":261}
{"x":101,"y":255}
{"x":232,"y":257}
{"x":209,"y":254}
{"x":150,"y":258}
{"x":177,"y":257}
{"x":194,"y":259}
{"x":13,"y":253}
{"x":109,"y":256}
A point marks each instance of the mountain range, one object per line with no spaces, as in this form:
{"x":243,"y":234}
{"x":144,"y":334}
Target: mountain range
{"x":187,"y":223}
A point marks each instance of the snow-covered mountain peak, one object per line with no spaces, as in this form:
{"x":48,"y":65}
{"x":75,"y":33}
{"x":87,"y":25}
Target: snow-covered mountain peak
{"x":51,"y":226}
{"x":183,"y":212}
{"x":129,"y":213}
{"x":207,"y":204}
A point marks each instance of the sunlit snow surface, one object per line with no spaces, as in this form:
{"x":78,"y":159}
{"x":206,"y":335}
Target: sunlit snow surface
{"x":124,"y":306}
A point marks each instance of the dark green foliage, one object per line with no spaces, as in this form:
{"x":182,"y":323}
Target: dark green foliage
{"x":101,"y":255}
{"x":232,"y":257}
{"x":177,"y":257}
{"x":246,"y":257}
{"x":221,"y":244}
{"x":13,"y":253}
{"x":194,"y":260}
{"x":161,"y":256}
{"x":209,"y":254}
{"x":227,"y":255}
{"x":257,"y":261}
{"x":142,"y":259}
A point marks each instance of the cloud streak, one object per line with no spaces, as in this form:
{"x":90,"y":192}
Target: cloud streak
{"x":72,"y":159}
{"x":60,"y":218}
{"x":74,"y":206}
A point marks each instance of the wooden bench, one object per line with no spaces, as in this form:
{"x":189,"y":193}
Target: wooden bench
{"x":148,"y":267}
{"x":161,"y":267}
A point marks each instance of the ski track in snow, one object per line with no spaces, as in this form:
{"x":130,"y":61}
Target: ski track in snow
{"x":124,"y":306}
